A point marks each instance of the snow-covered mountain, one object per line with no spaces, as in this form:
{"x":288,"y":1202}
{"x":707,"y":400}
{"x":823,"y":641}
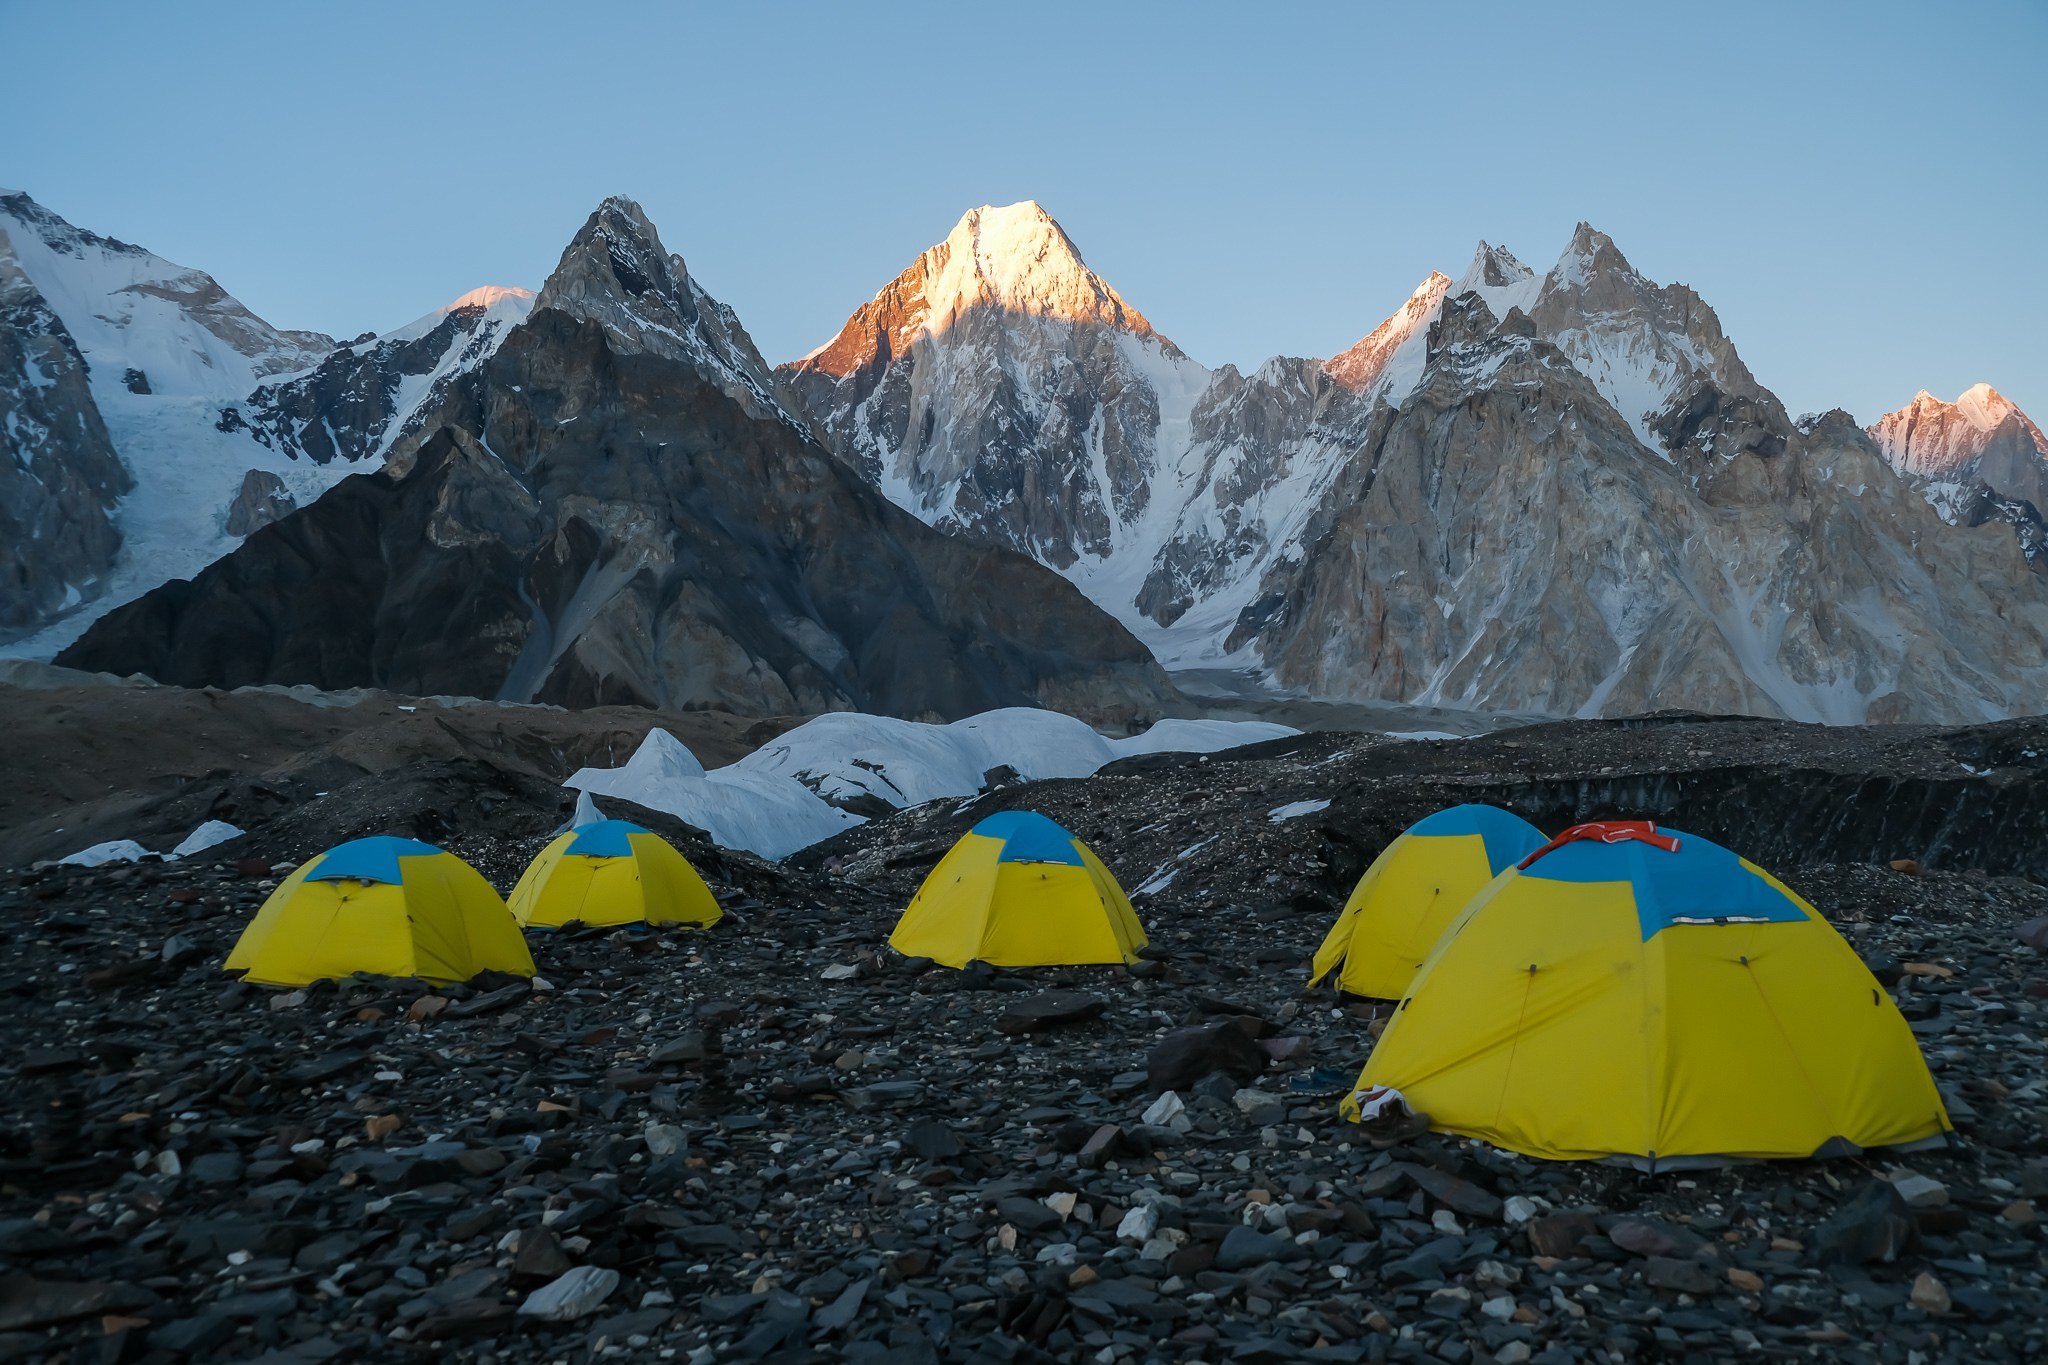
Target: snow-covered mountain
{"x":61,"y":478}
{"x":126,"y":345}
{"x":1558,"y":490}
{"x":1977,"y":459}
{"x":1504,"y":538}
{"x":1003,"y":402}
{"x":360,"y":398}
{"x":160,"y":328}
{"x":613,"y":507}
{"x":209,"y":412}
{"x":1000,"y":388}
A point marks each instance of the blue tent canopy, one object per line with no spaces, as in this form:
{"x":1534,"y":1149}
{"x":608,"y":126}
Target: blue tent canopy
{"x":1029,"y":837}
{"x":368,"y":860}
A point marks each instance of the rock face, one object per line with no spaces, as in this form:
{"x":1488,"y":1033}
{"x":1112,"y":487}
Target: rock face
{"x":1655,"y":352}
{"x":59,"y":475}
{"x":1502,"y":535}
{"x":263,"y":499}
{"x":364,"y":396}
{"x":1560,"y":492}
{"x":612,"y":508}
{"x":1977,"y":459}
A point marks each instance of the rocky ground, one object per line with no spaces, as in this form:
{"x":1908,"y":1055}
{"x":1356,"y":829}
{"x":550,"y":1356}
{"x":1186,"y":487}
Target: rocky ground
{"x":89,"y":757}
{"x":776,"y":1140}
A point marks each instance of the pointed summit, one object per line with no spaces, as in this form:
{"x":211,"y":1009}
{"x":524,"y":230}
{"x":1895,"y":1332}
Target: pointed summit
{"x":1589,"y":257}
{"x":616,"y":273}
{"x":615,"y":255}
{"x":1496,"y":276}
{"x":1982,"y":434}
{"x":1389,"y":359}
{"x":1013,"y":260}
{"x":1018,"y":258}
{"x":1000,"y":387}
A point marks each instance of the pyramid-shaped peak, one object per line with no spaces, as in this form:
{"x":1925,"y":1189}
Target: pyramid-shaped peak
{"x":619,"y":219}
{"x":1590,"y":252}
{"x":1018,"y":258}
{"x":1013,"y":239}
{"x":1499,"y":278}
{"x":615,"y":254}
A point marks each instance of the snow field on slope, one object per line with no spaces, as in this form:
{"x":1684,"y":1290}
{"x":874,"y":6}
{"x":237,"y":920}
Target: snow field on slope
{"x":188,"y":471}
{"x":174,"y":522}
{"x":105,"y":297}
{"x":773,"y":801}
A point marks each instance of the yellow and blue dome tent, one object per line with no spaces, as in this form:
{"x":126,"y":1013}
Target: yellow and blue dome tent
{"x":611,"y":872}
{"x":384,"y":907}
{"x":1413,"y":890}
{"x":1019,"y":891}
{"x":1638,"y":992}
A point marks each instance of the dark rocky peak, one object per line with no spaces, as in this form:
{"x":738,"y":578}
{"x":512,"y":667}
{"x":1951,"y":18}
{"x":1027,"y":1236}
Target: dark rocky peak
{"x":582,"y":521}
{"x":617,"y":254}
{"x":1463,"y":321}
{"x":616,"y":273}
{"x":1835,"y":427}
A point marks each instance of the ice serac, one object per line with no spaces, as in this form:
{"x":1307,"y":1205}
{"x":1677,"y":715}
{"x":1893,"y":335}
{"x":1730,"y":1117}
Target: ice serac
{"x":1503,"y":539}
{"x":59,"y":474}
{"x":1001,"y":389}
{"x":612,"y":507}
{"x":1979,"y":459}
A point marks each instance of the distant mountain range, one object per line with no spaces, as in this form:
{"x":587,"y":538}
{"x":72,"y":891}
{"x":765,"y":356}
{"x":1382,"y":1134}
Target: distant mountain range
{"x":1560,"y":492}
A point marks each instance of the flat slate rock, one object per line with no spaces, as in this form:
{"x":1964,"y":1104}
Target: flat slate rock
{"x":1050,"y":1010}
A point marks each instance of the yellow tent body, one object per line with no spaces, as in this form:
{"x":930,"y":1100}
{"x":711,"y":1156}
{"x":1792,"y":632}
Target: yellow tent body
{"x":1019,"y":891}
{"x":1635,"y":992}
{"x":385,"y":907}
{"x":1412,"y":892}
{"x":611,"y":872}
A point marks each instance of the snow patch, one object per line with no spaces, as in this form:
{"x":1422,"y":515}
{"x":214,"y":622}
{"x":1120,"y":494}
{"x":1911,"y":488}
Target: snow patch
{"x":127,"y":850}
{"x":788,"y":794}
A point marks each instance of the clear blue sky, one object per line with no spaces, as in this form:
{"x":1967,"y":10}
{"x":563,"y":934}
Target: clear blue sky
{"x":1859,"y":189}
